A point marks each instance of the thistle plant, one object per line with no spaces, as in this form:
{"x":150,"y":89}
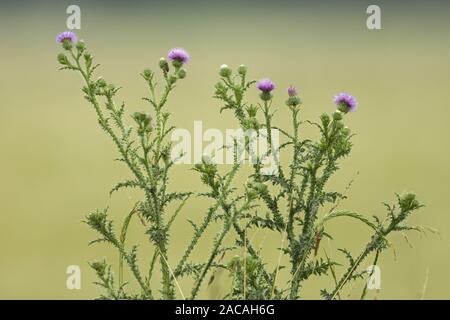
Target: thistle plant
{"x":292,"y":201}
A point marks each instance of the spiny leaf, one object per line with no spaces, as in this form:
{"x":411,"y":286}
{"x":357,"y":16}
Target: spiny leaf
{"x":125,"y":184}
{"x":348,"y":214}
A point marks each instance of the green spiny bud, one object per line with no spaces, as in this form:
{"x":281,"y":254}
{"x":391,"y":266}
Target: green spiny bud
{"x":293,"y":101}
{"x":147,"y":74}
{"x":80,"y":46}
{"x":337,"y":115}
{"x":346,"y":131}
{"x":164,"y":65}
{"x":181,"y":73}
{"x":172,"y":79}
{"x":225,"y":71}
{"x":265,"y":95}
{"x":144,"y":121}
{"x":325,"y":119}
{"x":139,"y":117}
{"x":100,"y":267}
{"x":242,"y":70}
{"x":408,"y":202}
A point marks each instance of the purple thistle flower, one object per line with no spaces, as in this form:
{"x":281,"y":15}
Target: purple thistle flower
{"x":292,"y":91}
{"x":69,"y":35}
{"x":179,"y":55}
{"x":266,"y":85}
{"x":293,"y":100}
{"x":345,"y":102}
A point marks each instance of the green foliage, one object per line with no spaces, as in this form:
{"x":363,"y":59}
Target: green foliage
{"x":292,"y":202}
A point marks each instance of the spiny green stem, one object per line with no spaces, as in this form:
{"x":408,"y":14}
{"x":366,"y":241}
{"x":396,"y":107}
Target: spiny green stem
{"x":213,"y":255}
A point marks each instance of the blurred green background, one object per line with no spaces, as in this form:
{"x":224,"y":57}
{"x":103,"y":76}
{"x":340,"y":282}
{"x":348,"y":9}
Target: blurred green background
{"x":56,"y":165}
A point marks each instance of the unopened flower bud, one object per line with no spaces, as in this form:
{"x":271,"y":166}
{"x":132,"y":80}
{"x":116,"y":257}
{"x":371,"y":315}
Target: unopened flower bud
{"x":164,"y":65}
{"x":172,"y":79}
{"x":325,"y":119}
{"x":346,"y":131}
{"x":225,"y":71}
{"x":293,"y":99}
{"x":139,"y":116}
{"x":80,"y":46}
{"x":242,"y":70}
{"x":147,"y":73}
{"x":182,"y":73}
{"x":144,"y":121}
{"x":337,"y":115}
{"x":408,"y":202}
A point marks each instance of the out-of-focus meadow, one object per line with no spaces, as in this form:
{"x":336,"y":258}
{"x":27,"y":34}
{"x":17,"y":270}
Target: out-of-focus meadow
{"x":56,"y":165}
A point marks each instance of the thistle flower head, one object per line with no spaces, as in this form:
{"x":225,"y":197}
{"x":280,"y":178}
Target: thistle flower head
{"x":66,"y":35}
{"x":178,"y":55}
{"x":293,"y":99}
{"x":345,"y":102}
{"x":292,"y":91}
{"x":266,"y":85}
